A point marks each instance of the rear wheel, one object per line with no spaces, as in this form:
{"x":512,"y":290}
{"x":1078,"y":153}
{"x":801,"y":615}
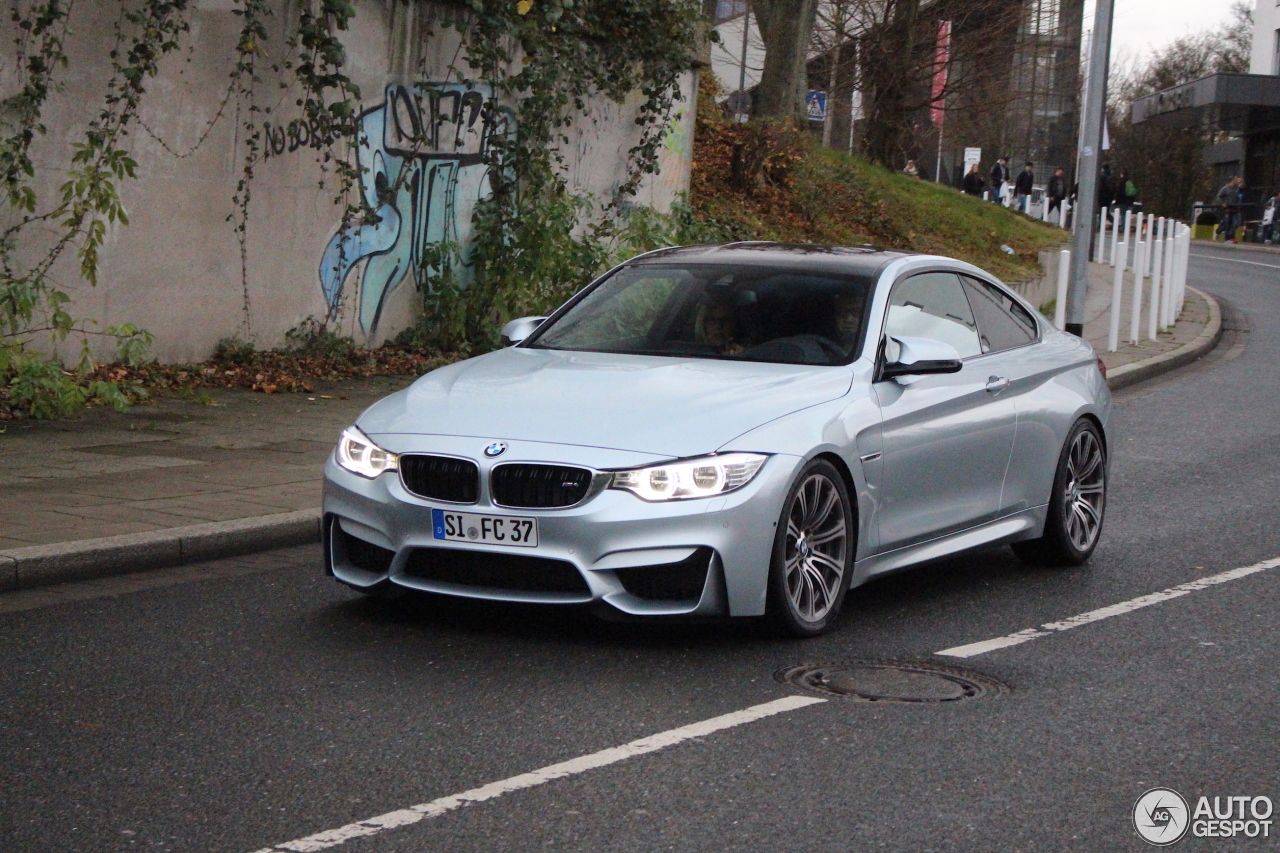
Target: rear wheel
{"x":812,"y":552}
{"x":1077,"y":504}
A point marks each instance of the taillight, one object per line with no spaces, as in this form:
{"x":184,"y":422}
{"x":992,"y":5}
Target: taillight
{"x":1102,"y":367}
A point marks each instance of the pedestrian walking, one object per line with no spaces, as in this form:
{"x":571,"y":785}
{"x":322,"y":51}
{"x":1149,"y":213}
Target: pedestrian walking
{"x":1126,"y":192}
{"x":1023,"y":185}
{"x":1106,"y":188}
{"x":1057,"y":189}
{"x":999,"y":177}
{"x":911,"y":169}
{"x":1228,"y":200}
{"x":973,"y":182}
{"x":1269,"y":218}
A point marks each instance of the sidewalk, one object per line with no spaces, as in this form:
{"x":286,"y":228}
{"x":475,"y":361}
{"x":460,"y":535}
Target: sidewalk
{"x":172,"y":463}
{"x":177,"y":481}
{"x":1196,"y":316}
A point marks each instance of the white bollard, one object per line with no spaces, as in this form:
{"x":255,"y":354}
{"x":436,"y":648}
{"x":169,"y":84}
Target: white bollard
{"x":1063,"y":207}
{"x":1157,"y":267}
{"x":1178,"y":273}
{"x":1151,"y":236}
{"x":1100,"y":256}
{"x":1064,"y":274}
{"x":1135,"y":315}
{"x":986,"y":195}
{"x":1115,"y":237}
{"x":1184,"y":257}
{"x":1117,"y":293}
{"x":1128,"y":221}
{"x":1044,"y":208}
{"x":1167,"y":294}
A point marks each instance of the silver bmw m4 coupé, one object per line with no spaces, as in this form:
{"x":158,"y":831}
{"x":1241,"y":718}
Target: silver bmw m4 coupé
{"x":739,"y":430}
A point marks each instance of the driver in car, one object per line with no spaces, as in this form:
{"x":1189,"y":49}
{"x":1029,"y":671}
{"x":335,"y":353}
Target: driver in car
{"x":720,"y":327}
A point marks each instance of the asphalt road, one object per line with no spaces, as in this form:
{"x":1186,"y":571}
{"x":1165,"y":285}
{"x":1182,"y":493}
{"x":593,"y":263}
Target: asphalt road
{"x":265,"y":703}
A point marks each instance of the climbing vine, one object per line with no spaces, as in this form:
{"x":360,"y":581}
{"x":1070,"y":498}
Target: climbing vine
{"x":548,"y":63}
{"x":30,"y":301}
{"x":533,"y":242}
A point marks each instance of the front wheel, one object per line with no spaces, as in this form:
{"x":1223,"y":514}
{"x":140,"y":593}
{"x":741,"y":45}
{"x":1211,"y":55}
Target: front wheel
{"x":1077,"y":504}
{"x":813,"y":552}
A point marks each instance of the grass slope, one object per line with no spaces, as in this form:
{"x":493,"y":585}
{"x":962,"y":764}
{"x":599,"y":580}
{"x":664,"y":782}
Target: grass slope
{"x":773,"y":182}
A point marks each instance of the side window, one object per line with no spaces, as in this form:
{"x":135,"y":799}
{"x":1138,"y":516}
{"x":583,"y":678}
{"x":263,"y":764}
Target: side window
{"x":1002,"y":323}
{"x":932,"y":305}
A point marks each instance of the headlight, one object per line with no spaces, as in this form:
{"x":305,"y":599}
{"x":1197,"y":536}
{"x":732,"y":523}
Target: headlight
{"x":693,"y":478}
{"x":361,"y":456}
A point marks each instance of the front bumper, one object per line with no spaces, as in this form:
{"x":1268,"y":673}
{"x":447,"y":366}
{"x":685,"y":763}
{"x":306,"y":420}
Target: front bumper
{"x":614,"y":540}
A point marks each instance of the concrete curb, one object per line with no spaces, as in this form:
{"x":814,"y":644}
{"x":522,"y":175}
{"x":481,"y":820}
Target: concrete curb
{"x":86,"y":559}
{"x":1130,"y":374}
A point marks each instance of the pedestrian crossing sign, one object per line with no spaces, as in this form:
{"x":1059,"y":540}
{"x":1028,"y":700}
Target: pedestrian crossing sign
{"x":816,"y":105}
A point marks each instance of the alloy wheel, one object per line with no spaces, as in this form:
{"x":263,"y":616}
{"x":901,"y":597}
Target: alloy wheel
{"x":1085,"y":490}
{"x":816,"y":547}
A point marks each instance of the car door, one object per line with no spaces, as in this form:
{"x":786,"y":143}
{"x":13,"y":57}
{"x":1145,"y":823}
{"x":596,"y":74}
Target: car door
{"x":946,"y":438}
{"x":1009,"y":336}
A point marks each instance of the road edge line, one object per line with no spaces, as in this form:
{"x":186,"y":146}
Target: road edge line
{"x":442,"y":805}
{"x":981,"y":647}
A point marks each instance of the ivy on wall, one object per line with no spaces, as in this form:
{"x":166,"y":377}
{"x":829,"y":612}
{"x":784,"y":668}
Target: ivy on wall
{"x":533,"y":241}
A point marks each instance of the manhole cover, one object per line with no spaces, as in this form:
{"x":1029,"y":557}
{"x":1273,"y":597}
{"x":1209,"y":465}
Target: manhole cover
{"x":890,"y":681}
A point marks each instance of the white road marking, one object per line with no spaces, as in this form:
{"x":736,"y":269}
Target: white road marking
{"x":435,"y":808}
{"x":1235,"y":261}
{"x":980,"y":648}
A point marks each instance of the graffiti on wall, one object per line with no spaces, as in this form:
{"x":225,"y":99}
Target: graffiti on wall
{"x":421,"y":156}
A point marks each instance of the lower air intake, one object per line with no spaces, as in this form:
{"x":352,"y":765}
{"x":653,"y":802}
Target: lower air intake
{"x":490,"y":570}
{"x":363,"y":555}
{"x":682,"y":581}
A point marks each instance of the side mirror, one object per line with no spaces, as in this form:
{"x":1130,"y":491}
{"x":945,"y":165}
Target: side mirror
{"x":519,"y":329}
{"x":919,"y":357}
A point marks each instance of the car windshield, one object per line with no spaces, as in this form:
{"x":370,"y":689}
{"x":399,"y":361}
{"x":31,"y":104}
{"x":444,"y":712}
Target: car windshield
{"x":747,"y":313}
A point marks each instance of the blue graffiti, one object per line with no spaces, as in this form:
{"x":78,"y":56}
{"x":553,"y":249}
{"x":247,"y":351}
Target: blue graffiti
{"x":421,"y":156}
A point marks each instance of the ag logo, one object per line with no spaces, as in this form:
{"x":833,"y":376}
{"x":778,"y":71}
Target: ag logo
{"x":1161,"y":816}
{"x":496,"y":449}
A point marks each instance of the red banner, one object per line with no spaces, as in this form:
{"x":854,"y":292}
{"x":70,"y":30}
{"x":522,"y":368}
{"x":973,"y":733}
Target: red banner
{"x":941,"y":54}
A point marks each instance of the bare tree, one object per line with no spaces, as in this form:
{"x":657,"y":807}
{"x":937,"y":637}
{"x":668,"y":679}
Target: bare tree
{"x":835,"y":31}
{"x":1164,"y":157}
{"x":785,"y":27}
{"x":896,"y":65}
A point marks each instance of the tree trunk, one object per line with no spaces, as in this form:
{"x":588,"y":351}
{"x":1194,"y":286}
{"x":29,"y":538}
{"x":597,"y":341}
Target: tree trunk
{"x":840,"y":98}
{"x":785,"y":27}
{"x":885,"y":54}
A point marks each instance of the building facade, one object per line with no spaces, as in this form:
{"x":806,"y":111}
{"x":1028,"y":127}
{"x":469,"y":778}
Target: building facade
{"x":1240,"y":113}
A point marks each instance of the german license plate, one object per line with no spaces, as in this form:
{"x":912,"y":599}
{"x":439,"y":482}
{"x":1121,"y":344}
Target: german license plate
{"x":487,"y":529}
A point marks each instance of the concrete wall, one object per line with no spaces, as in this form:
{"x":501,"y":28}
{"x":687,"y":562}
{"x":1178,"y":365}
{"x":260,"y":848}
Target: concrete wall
{"x":176,"y":268}
{"x":1266,"y":30}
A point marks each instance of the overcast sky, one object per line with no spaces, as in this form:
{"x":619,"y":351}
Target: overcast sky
{"x":1141,"y":25}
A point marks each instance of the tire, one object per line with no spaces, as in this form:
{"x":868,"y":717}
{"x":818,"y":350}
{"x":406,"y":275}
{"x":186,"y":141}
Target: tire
{"x":808,"y":580}
{"x":1077,"y":504}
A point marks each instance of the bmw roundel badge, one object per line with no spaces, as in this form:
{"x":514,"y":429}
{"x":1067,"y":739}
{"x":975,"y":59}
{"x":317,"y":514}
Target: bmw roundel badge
{"x":496,"y":449}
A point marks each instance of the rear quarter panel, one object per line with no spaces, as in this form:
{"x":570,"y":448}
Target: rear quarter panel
{"x":1065,"y":386}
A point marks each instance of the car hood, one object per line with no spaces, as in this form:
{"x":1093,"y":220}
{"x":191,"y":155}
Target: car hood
{"x":666,"y":406}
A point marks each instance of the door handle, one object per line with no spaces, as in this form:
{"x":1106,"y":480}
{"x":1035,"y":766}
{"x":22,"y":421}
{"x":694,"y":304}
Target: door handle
{"x":996,"y":384}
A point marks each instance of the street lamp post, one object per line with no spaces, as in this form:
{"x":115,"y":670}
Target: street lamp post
{"x":1091,"y":149}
